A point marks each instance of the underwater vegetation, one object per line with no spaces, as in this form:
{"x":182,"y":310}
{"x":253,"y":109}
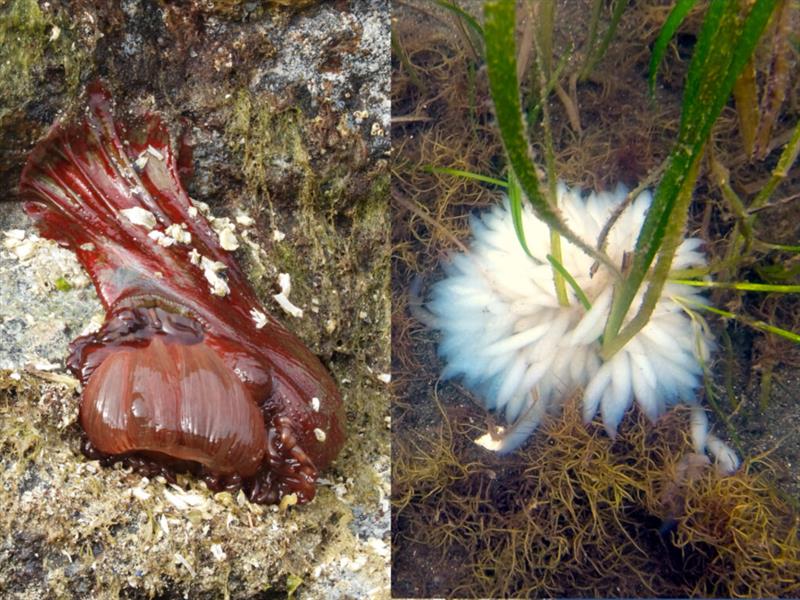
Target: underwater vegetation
{"x":302,"y":161}
{"x":574,"y":511}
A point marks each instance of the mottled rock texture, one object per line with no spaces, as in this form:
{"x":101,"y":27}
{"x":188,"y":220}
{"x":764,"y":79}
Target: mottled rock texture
{"x":288,"y":111}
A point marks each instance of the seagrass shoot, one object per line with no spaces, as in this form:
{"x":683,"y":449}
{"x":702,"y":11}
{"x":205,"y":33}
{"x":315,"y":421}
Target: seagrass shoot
{"x":562,"y":292}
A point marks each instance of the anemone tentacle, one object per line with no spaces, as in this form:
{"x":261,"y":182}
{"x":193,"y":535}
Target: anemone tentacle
{"x":505,"y":334}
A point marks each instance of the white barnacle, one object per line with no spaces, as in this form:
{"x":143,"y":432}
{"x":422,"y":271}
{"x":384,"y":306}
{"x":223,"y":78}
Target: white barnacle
{"x":201,"y":206}
{"x":15,"y":235}
{"x":245,"y":220}
{"x":285,"y":281}
{"x":177,"y":231}
{"x":161,"y":239}
{"x":219,"y":287}
{"x":220,"y":223}
{"x":139,"y":216}
{"x":212,"y":265}
{"x":320,"y":435}
{"x":259,"y":318}
{"x":195,"y":257}
{"x":211,"y":270}
{"x":224,"y":228}
{"x":17,"y":244}
{"x":227,"y":239}
{"x":315,"y":404}
{"x":141,"y":162}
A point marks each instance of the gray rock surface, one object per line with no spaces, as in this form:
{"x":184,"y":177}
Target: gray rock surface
{"x":288,"y":109}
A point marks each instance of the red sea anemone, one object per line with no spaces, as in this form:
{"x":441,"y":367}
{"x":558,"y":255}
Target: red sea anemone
{"x":188,"y":371}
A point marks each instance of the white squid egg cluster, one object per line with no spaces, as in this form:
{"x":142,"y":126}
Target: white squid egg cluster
{"x":505,"y":334}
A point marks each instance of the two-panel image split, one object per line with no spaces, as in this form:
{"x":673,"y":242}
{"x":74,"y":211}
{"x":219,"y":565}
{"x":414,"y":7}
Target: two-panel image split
{"x":370,"y":299}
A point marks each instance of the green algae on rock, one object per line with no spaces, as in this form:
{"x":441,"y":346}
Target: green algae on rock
{"x":205,"y":62}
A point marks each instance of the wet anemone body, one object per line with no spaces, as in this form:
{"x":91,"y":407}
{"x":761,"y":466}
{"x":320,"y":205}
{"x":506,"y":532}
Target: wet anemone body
{"x":188,"y":372}
{"x":505,"y":334}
